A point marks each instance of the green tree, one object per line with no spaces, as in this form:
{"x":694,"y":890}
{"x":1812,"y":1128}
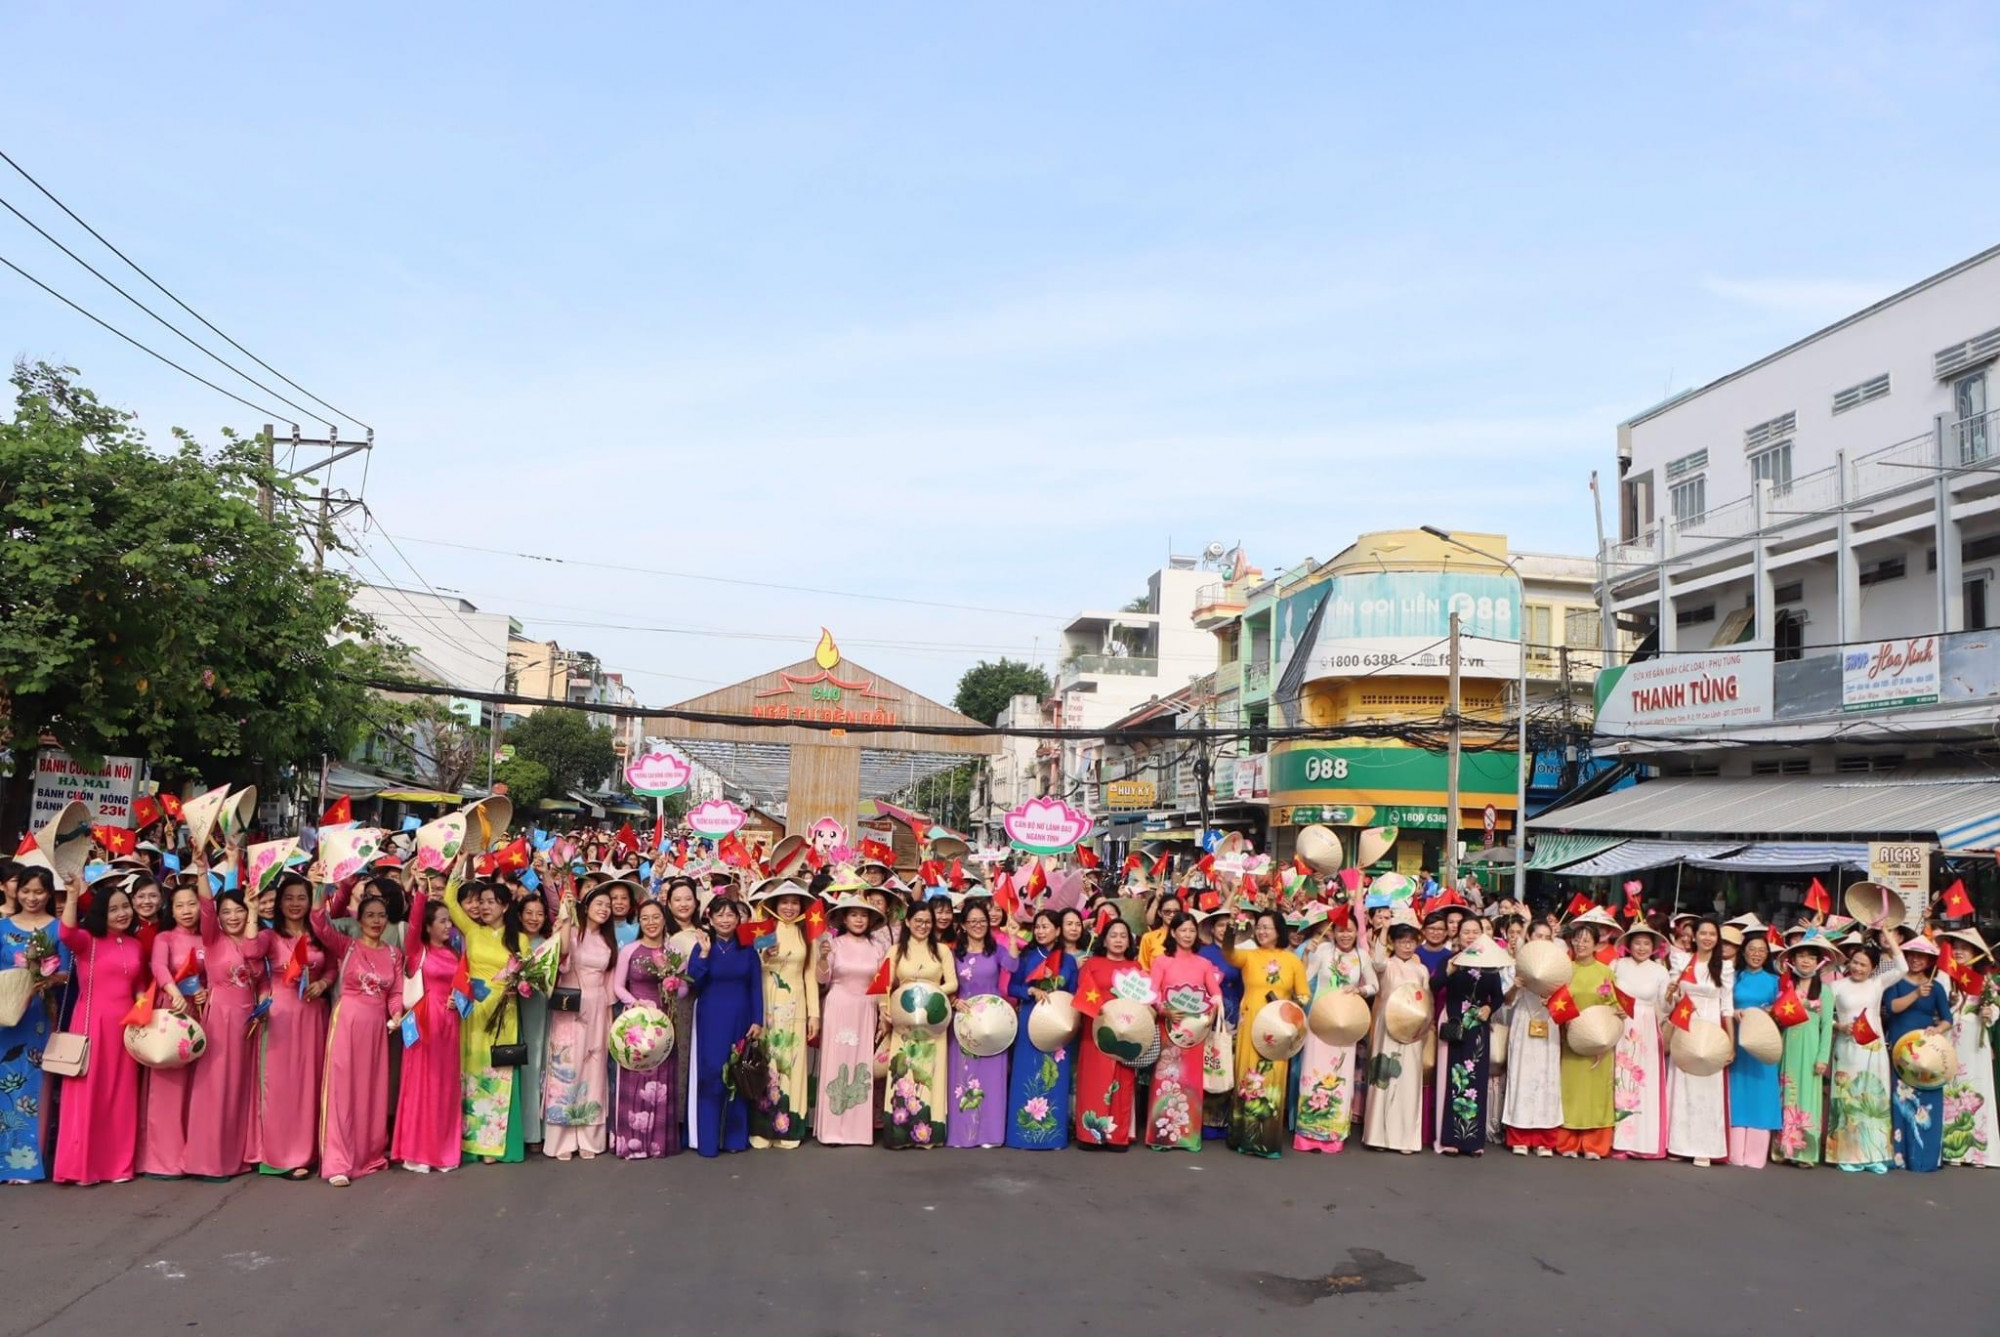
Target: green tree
{"x":947,"y":796}
{"x":575,"y":752}
{"x":147,"y":607}
{"x":527,"y":784}
{"x":426,"y":738}
{"x":986,"y":688}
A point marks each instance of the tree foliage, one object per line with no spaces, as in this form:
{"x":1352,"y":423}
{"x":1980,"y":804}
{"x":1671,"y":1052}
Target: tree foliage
{"x":426,"y":738}
{"x":576,"y":753}
{"x":986,"y":688}
{"x":527,"y":784}
{"x":947,"y":796}
{"x":148,"y":608}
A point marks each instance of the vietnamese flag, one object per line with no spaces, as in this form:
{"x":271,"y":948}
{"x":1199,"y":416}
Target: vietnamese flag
{"x":750,"y":930}
{"x":461,"y":987}
{"x":1562,"y":1006}
{"x":1790,"y":1009}
{"x":298,"y":964}
{"x":1816,"y":898}
{"x":1864,"y":1034}
{"x":731,"y":852}
{"x":27,"y":845}
{"x":880,"y":984}
{"x":1205,"y":865}
{"x":142,"y":1008}
{"x":1003,"y":895}
{"x":1633,"y":907}
{"x":1957,"y":905}
{"x":1578,"y":904}
{"x":1683,"y":1013}
{"x":171,"y":804}
{"x":1687,"y":976}
{"x":145,"y":811}
{"x":1163,"y":863}
{"x":513,"y":857}
{"x":626,"y":839}
{"x":815,"y":922}
{"x":189,"y":973}
{"x":1038,"y":881}
{"x":338,"y":813}
{"x":1133,"y":863}
{"x":930,"y":873}
{"x":1626,"y":1002}
{"x":1091,"y":1001}
{"x":957,"y":875}
{"x":1050,"y":969}
{"x":1086,"y":857}
{"x":1301,"y":867}
{"x":117,"y":839}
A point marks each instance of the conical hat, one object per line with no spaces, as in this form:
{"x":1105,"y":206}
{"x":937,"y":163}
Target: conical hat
{"x":1924,"y":1059}
{"x":1703,"y":1049}
{"x":946,"y":848}
{"x":1758,"y":1036}
{"x":1595,"y":918}
{"x":1406,"y":1014}
{"x":920,"y":1007}
{"x":1374,"y":845}
{"x":1185,"y":1031}
{"x":238,"y":811}
{"x":348,"y":851}
{"x":986,"y":1027}
{"x":486,"y":821}
{"x":1338,"y":1018}
{"x":836,"y":912}
{"x":1278,"y":1031}
{"x":201,"y":813}
{"x":1054,"y":1022}
{"x":1319,"y":847}
{"x":1123,"y":1027}
{"x":64,"y":840}
{"x":1594,"y":1032}
{"x":439,"y":842}
{"x":1485,"y":953}
{"x":1543,"y":967}
{"x":266,"y":860}
{"x":1875,"y":905}
{"x":1970,"y":938}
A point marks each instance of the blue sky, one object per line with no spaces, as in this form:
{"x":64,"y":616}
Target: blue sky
{"x":981,"y":304}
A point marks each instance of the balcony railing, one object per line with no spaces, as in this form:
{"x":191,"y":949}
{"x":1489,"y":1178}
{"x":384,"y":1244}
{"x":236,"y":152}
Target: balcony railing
{"x":1256,"y":676}
{"x":1137,"y":666}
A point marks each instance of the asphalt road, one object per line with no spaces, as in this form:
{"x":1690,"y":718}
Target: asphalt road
{"x":819,"y":1242}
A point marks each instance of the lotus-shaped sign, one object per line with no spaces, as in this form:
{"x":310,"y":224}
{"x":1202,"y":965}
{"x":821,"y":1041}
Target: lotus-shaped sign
{"x":715,"y":818}
{"x":1046,"y":826}
{"x":658,"y":774}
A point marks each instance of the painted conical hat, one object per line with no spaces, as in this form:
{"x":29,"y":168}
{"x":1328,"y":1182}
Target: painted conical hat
{"x":1486,"y":953}
{"x":1543,"y":967}
{"x":1875,"y":905}
{"x":348,"y":851}
{"x":1278,"y":1031}
{"x":1374,"y":845}
{"x":1123,"y":1027}
{"x":238,"y":811}
{"x":64,"y":840}
{"x":266,"y":860}
{"x":439,"y":842}
{"x":1338,"y":1018}
{"x":201,"y":814}
{"x":920,"y":1007}
{"x":1320,"y":848}
{"x":986,"y":1027}
{"x":486,"y":821}
{"x":1758,"y":1036}
{"x":1595,"y":1032}
{"x":1703,"y":1049}
{"x":1054,"y":1022}
{"x":1406,"y":1013}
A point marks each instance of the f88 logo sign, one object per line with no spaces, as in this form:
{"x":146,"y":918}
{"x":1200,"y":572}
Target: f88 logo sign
{"x":1326,"y":768}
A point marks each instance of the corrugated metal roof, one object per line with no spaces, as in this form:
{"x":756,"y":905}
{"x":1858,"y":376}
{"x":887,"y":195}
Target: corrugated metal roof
{"x":1882,"y":805}
{"x":1791,"y":856}
{"x":1553,"y":849}
{"x":1634,"y":856}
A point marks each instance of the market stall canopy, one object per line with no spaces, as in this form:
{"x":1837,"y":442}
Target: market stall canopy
{"x":1924,"y":802}
{"x":421,"y":796}
{"x":1553,"y":849}
{"x":1790,"y":856}
{"x":1635,"y":856}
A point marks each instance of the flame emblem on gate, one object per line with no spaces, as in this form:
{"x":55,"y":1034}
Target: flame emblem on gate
{"x":826,"y":654}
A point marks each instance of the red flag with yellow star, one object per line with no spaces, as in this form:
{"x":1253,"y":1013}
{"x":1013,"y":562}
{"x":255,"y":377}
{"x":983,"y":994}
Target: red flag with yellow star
{"x":815,"y":921}
{"x":880,"y":984}
{"x":1562,"y":1006}
{"x":1790,"y":1009}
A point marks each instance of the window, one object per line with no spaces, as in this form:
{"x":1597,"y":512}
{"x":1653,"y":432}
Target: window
{"x":1582,"y":628}
{"x":1782,"y":766}
{"x":1774,"y":466}
{"x":1635,"y":506}
{"x":1791,"y":592}
{"x":1540,"y":626}
{"x":1968,"y":401}
{"x":1854,"y":396}
{"x":1888,"y":568}
{"x":1694,"y":617}
{"x":1975,"y":604}
{"x":1789,"y":635}
{"x":1690,"y":500}
{"x":1691,"y":463}
{"x":1866,"y":763}
{"x":1765,"y":433}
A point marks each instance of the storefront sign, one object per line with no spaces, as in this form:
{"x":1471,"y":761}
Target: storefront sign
{"x":1890,"y":673}
{"x":1905,"y":866}
{"x":1045,"y":826}
{"x":108,"y":789}
{"x":1682,"y":692}
{"x":1128,"y":795}
{"x":825,"y":696}
{"x":1402,"y":816}
{"x":658,"y":774}
{"x":1398,"y":623}
{"x":1388,"y":775}
{"x":1252,"y":777}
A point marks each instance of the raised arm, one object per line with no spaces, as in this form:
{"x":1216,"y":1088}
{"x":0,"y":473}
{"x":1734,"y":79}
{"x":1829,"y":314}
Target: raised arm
{"x":459,"y":919}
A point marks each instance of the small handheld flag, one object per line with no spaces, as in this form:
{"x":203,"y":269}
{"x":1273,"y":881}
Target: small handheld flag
{"x":1816,"y":898}
{"x":879,"y":985}
{"x":1562,"y":1006}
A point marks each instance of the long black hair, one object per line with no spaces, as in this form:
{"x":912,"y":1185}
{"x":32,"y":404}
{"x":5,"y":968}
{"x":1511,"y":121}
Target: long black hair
{"x":1173,"y":946}
{"x":604,"y":930}
{"x":961,"y":945}
{"x":390,"y":892}
{"x":514,"y":932}
{"x":1715,"y":956}
{"x":931,"y":943}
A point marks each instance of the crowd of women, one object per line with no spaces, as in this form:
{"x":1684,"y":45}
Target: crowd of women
{"x":462,"y":1014}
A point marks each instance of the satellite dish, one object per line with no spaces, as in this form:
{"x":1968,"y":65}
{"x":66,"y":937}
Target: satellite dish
{"x":1213,"y":551}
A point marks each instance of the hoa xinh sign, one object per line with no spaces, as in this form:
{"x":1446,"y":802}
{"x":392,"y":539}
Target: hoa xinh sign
{"x":1890,"y":673}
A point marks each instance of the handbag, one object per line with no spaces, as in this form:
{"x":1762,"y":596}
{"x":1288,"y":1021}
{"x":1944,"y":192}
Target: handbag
{"x":67,"y":1054}
{"x":510,"y":1055}
{"x":565,"y":999}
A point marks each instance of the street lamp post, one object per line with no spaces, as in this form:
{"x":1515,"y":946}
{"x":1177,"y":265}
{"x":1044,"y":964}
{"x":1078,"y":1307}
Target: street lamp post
{"x":1521,"y":705}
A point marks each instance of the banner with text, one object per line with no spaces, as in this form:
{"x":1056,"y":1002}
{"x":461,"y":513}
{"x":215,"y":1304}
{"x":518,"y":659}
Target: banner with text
{"x":1683,"y":693}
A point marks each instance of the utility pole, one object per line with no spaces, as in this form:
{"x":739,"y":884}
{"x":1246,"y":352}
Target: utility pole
{"x":265,"y":498}
{"x":1201,"y":777}
{"x":1568,"y":726}
{"x":1450,"y":860}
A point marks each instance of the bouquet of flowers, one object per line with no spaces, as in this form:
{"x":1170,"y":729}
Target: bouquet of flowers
{"x":669,"y":967}
{"x":538,"y":971}
{"x":32,"y":969}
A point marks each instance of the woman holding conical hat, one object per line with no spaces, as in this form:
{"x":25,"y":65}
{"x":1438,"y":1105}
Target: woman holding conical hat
{"x":1806,"y":968}
{"x":1639,"y":1077}
{"x":916,"y":1092}
{"x":1755,"y":1108}
{"x":1337,"y":963}
{"x":1857,"y":1121}
{"x":1038,"y":1086}
{"x":1533,"y":1115}
{"x":1271,"y":974}
{"x":976,"y":1086}
{"x":1916,"y":1003}
{"x":851,"y":1024}
{"x":494,"y":1129}
{"x":30,"y":928}
{"x":1472,"y":993}
{"x":179,"y":965}
{"x":1187,"y":986}
{"x":1588,"y":1109}
{"x":1697,"y":1106}
{"x":1393,"y":1117}
{"x":1972,"y":1120}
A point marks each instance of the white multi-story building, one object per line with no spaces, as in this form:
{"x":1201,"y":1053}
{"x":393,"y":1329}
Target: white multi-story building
{"x":450,"y":639}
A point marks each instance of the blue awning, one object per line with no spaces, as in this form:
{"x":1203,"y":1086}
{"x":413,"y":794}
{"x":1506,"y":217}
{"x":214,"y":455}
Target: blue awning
{"x":1790,"y":856}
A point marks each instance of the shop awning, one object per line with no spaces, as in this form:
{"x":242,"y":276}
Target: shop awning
{"x":421,"y":796}
{"x":628,"y":810}
{"x":1790,"y":856}
{"x":1635,"y":856}
{"x":558,"y":805}
{"x":1980,"y":833}
{"x":1553,"y":849}
{"x":1924,"y":802}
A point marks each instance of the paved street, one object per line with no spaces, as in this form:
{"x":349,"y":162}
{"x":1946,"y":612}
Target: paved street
{"x":821,"y":1243}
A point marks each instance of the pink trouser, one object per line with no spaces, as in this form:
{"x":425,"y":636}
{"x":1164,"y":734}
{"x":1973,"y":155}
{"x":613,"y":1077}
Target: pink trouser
{"x":1749,"y":1147}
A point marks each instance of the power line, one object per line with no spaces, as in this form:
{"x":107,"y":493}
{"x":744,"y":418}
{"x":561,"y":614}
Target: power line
{"x":728,"y":580}
{"x":189,"y":339}
{"x":176,"y":300}
{"x":150,"y":352}
{"x":420,"y":579}
{"x":389,"y":587}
